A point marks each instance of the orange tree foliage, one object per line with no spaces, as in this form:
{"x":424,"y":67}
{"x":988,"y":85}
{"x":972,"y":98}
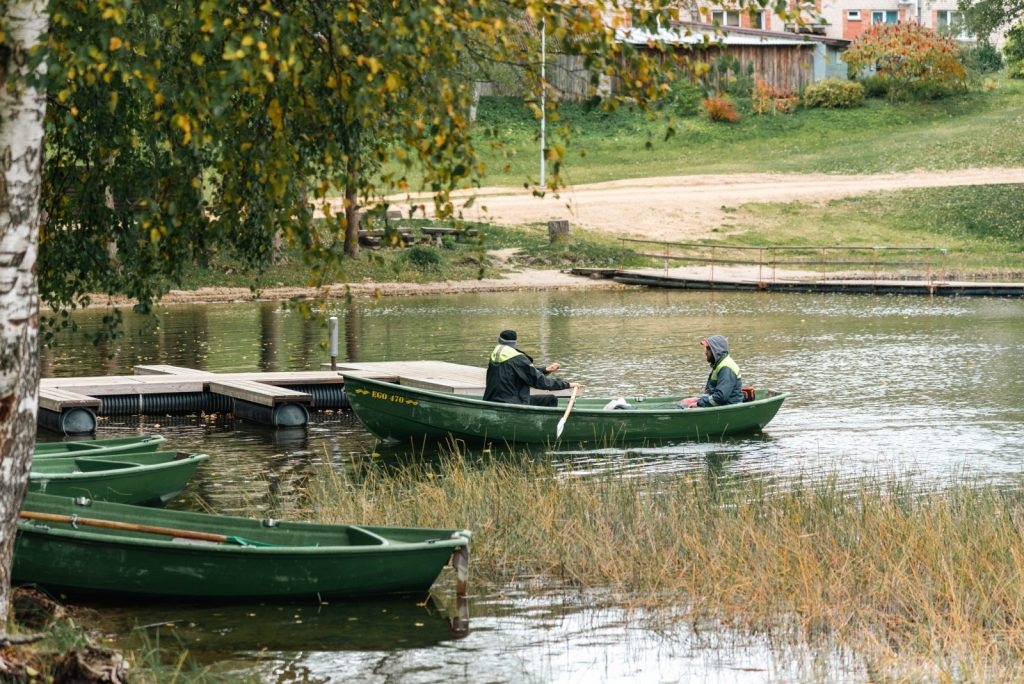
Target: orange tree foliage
{"x":906,"y":54}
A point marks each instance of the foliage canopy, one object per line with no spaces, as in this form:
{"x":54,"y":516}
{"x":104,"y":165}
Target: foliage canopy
{"x":906,"y":55}
{"x":178,"y":129}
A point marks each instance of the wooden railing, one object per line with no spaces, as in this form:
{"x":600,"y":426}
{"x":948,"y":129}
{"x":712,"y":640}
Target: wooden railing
{"x":824,"y":262}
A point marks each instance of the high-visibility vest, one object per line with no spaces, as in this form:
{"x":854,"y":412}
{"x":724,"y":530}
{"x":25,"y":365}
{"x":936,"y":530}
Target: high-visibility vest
{"x":503,"y":353}
{"x":727,"y":362}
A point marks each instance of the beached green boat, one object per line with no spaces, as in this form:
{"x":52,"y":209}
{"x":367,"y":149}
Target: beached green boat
{"x":148,"y":554}
{"x":145,"y":477}
{"x":399,"y":412}
{"x":96,"y":447}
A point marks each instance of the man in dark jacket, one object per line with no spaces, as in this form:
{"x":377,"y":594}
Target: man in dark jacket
{"x":511,"y":374}
{"x":724,"y":385}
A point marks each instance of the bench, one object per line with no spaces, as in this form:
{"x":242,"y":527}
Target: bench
{"x":436,"y":235}
{"x":375,"y":238}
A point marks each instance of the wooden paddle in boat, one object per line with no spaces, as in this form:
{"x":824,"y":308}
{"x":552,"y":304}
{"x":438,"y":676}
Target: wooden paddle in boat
{"x":149,"y":529}
{"x":565,"y":416}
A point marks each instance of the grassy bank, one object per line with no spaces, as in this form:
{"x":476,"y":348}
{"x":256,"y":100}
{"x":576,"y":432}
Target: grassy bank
{"x":920,"y":585}
{"x":964,"y":131}
{"x":981,"y":227}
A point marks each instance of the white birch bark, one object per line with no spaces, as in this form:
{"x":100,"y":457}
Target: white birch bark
{"x":22,"y":108}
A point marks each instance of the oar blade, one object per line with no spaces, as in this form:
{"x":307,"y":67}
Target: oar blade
{"x":565,"y":416}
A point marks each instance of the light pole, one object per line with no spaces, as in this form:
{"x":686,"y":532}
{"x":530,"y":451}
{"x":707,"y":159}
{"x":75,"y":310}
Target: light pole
{"x":543,"y":94}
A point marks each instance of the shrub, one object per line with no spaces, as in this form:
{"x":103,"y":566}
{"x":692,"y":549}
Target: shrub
{"x":875,"y":86}
{"x":720,"y":109}
{"x":1014,"y":51}
{"x":833,"y":93}
{"x":685,"y":96}
{"x":767,"y":99}
{"x":907,"y":54}
{"x":423,"y":258}
{"x":982,"y":58}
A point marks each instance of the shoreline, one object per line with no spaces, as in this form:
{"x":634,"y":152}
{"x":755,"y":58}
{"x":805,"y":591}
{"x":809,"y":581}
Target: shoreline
{"x":512,"y":281}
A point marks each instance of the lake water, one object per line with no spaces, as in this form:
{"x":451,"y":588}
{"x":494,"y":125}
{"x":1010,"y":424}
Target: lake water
{"x":930,"y":389}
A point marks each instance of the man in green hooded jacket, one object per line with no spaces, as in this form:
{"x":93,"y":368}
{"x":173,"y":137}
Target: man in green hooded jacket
{"x":724,"y":385}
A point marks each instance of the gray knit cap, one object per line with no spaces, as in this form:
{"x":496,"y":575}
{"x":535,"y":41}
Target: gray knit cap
{"x":508,"y":338}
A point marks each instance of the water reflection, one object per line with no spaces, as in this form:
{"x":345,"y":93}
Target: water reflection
{"x":892,"y":388}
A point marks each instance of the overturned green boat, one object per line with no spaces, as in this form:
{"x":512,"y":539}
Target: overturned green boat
{"x":145,"y":477}
{"x":81,"y":547}
{"x":97,"y":447}
{"x":396,"y":412}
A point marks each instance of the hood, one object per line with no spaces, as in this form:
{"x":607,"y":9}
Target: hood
{"x":719,"y":347}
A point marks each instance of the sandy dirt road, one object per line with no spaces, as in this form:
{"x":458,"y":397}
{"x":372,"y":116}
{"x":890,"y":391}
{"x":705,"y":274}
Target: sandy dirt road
{"x":683,"y":208}
{"x":676,"y":208}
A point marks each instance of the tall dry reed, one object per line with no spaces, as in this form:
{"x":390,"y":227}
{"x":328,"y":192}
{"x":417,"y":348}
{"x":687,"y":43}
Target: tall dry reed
{"x":919,"y":583}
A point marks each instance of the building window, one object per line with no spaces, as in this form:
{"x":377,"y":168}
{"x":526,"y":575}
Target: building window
{"x":948,"y":23}
{"x":885,"y":17}
{"x":757,"y":20}
{"x":853,"y":15}
{"x":725,"y":18}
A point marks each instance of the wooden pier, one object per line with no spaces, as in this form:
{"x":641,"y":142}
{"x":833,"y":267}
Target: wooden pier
{"x":770,"y":280}
{"x":282,"y":399}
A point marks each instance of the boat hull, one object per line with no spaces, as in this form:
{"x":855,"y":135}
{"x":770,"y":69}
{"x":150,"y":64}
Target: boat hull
{"x":96,"y":447}
{"x":151,"y":477}
{"x":399,"y":413}
{"x":292,"y":560}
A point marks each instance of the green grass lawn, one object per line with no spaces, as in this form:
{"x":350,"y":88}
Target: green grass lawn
{"x":982,"y":227}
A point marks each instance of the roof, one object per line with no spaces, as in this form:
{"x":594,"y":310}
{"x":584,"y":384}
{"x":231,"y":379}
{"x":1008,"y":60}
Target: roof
{"x":693,"y":33}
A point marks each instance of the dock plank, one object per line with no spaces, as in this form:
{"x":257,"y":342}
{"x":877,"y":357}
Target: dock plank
{"x":57,"y":400}
{"x":258,"y":392}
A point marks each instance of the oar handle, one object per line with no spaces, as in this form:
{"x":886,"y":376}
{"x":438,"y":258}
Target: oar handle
{"x":116,"y":525}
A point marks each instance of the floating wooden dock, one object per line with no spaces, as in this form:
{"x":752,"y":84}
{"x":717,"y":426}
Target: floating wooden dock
{"x":766,"y":280}
{"x":282,"y":399}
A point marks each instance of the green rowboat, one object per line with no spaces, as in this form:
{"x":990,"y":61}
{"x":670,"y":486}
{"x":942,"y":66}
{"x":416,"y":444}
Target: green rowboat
{"x":146,"y":477}
{"x":94,"y":548}
{"x":96,"y":447}
{"x":395,"y":412}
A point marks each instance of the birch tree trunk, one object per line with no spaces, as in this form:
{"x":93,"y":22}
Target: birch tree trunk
{"x":22,"y":107}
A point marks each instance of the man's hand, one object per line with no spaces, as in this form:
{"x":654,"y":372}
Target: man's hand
{"x":574,"y":385}
{"x":553,"y":367}
{"x":689,"y":402}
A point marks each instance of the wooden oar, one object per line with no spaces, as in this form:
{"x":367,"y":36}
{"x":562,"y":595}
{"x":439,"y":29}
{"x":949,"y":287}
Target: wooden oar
{"x":565,"y":416}
{"x":132,"y":527}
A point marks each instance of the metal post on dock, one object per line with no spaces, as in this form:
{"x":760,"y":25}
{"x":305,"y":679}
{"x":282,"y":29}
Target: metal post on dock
{"x":334,"y":342}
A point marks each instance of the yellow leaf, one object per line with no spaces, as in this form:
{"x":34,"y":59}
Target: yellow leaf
{"x":197,"y":59}
{"x":115,"y":43}
{"x":275,"y":114}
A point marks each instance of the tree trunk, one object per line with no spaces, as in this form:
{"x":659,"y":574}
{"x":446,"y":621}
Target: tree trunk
{"x":351,"y":223}
{"x":22,"y":108}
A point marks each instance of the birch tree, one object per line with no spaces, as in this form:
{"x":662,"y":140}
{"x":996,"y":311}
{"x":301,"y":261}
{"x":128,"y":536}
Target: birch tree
{"x":22,"y":108}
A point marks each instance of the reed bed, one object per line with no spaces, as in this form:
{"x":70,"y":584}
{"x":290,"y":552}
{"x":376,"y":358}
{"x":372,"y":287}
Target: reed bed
{"x":921,"y":584}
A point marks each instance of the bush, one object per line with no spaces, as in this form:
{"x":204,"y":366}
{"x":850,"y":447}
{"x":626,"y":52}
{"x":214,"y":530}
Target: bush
{"x":423,"y":258}
{"x":720,"y":109}
{"x":833,"y":93}
{"x":769,"y":100}
{"x":982,"y":58}
{"x":875,"y":86}
{"x":907,"y":54}
{"x":685,"y":97}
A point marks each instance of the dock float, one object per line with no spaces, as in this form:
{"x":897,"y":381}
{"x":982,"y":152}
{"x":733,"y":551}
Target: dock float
{"x":70,"y":406}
